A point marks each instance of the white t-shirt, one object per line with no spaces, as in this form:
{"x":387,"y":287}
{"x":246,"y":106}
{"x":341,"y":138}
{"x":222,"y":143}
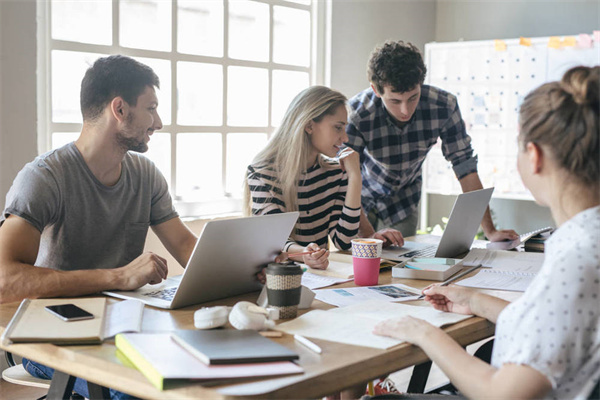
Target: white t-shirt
{"x":555,"y":326}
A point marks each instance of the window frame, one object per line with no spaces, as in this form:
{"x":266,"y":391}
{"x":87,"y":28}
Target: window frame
{"x":318,"y":70}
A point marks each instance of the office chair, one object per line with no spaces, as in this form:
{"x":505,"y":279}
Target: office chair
{"x":16,"y":374}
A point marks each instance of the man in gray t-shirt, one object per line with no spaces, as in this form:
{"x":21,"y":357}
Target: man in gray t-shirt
{"x":76,"y":218}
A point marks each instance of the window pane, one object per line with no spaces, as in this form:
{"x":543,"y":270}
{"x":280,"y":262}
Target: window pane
{"x":162,"y":68}
{"x":59,"y":139}
{"x":241,"y":149}
{"x":307,"y":2}
{"x":248,"y":30}
{"x":68,"y":69}
{"x":247,"y":96}
{"x":199,"y":166}
{"x":291,"y":36}
{"x":286,"y":85}
{"x":200,"y":27}
{"x":159,"y":151}
{"x":145,"y":24}
{"x":200,"y":94}
{"x":82,"y":21}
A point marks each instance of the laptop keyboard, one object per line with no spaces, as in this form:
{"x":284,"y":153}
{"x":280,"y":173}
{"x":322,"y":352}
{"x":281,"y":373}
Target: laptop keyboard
{"x":424,"y":252}
{"x":164,"y":294}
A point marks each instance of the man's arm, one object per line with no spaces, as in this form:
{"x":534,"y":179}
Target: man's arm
{"x":177,"y":238}
{"x":19,"y":278}
{"x":472,"y":182}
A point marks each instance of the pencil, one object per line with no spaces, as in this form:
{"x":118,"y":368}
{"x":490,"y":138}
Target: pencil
{"x":456,"y":277}
{"x":299,"y":254}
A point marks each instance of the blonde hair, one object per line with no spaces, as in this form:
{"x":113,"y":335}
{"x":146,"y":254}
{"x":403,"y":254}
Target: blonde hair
{"x":563,"y":116}
{"x":289,"y":147}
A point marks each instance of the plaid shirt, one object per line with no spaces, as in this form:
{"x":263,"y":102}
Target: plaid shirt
{"x":392,"y":157}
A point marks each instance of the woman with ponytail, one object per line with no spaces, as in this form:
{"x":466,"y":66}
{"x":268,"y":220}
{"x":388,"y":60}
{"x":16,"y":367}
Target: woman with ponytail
{"x":547,"y":343}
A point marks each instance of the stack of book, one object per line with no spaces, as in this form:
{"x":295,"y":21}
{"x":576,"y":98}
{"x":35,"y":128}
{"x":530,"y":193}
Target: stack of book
{"x":208,"y":356}
{"x":536,"y":243}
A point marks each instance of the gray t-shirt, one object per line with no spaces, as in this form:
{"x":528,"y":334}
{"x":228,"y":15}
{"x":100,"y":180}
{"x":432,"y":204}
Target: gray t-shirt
{"x":85,"y":224}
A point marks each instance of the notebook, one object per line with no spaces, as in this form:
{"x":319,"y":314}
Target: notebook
{"x":465,"y":218}
{"x":224,"y":263}
{"x":231,"y":346}
{"x":162,"y":361}
{"x":32,"y":323}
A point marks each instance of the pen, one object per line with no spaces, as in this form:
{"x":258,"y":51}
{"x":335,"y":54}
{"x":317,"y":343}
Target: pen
{"x":449,"y":281}
{"x":304,"y":341}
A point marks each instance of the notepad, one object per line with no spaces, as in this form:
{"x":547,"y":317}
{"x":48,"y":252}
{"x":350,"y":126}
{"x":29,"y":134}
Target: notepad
{"x":163,"y":361}
{"x":432,"y":269}
{"x":231,"y":346}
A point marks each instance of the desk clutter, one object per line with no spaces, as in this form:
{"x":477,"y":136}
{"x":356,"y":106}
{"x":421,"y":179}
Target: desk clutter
{"x":216,"y":356}
{"x":32,"y":323}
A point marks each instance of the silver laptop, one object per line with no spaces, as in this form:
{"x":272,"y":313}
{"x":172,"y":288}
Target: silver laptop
{"x":224,"y":263}
{"x":465,"y":218}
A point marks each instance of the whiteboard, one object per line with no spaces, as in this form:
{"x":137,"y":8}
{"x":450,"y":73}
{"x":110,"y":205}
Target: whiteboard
{"x":490,"y":85}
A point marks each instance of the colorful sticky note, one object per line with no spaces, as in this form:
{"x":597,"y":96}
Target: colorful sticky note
{"x":554,"y":42}
{"x":584,"y":41}
{"x":525,"y":41}
{"x":597,"y":36}
{"x":569,"y":41}
{"x":499,"y":45}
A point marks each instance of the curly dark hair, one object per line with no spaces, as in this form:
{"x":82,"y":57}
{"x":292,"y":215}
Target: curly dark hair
{"x":397,"y":64}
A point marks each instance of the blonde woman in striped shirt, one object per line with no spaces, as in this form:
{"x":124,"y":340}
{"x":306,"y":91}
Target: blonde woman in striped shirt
{"x":305,"y":167}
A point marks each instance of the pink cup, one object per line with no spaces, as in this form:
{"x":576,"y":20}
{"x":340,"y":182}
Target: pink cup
{"x":366,"y":256}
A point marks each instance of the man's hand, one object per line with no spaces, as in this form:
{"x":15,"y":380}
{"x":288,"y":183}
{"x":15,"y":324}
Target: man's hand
{"x":147,"y":268}
{"x":390,"y":237}
{"x":500,"y":235}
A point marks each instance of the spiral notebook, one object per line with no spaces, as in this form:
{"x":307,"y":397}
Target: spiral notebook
{"x":503,"y":270}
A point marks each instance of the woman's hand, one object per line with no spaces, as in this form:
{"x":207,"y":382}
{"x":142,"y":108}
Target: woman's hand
{"x":406,"y":328}
{"x":318,"y":258}
{"x":350,"y":162}
{"x":451,"y":298}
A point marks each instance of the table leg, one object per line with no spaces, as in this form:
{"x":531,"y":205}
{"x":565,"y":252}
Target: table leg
{"x":61,"y":386}
{"x":98,"y":392}
{"x":418,"y":380}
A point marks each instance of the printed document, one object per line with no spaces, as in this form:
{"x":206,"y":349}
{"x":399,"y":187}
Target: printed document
{"x":343,"y":297}
{"x":314,"y":281}
{"x":354,"y":324}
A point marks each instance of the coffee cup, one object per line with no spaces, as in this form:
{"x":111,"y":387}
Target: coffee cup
{"x":366,"y":258}
{"x":284,"y":286}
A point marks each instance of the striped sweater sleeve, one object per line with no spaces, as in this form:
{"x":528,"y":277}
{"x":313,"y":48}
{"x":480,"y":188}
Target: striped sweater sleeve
{"x":345,"y":228}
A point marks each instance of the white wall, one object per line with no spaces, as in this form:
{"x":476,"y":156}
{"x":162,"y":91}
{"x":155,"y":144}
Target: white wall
{"x":359,"y":25}
{"x":18,"y":110}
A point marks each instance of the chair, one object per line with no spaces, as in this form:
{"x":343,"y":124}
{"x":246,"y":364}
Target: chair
{"x":17,"y":374}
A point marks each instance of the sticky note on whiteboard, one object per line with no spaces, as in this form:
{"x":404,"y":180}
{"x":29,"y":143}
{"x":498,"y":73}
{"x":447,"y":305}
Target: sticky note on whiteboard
{"x":597,"y":36}
{"x":554,"y":42}
{"x":499,"y":45}
{"x":584,"y":41}
{"x":525,"y":41}
{"x":569,"y":41}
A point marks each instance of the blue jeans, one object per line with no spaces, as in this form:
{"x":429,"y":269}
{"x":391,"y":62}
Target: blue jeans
{"x":80,"y":387}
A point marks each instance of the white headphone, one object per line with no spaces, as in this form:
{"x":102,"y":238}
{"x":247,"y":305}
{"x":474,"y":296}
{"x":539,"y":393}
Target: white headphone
{"x":244,"y":315}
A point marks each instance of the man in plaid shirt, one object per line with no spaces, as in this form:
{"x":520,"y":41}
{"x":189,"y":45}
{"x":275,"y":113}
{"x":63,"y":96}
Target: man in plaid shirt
{"x":393,"y":125}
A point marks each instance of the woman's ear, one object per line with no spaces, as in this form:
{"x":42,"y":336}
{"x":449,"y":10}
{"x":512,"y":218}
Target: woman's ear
{"x":535,"y":155}
{"x":309,"y":128}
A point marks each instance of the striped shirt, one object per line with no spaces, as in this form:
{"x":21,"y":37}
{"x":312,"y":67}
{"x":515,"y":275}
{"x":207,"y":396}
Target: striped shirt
{"x":321,"y":196}
{"x":392,"y":157}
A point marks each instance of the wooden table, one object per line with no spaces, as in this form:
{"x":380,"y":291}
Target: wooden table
{"x":339,"y":366}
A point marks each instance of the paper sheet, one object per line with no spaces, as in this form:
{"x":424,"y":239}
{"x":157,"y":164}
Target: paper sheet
{"x":354,"y":324}
{"x":344,"y":297}
{"x":123,"y":316}
{"x":501,"y":260}
{"x":489,"y":279}
{"x":314,"y":281}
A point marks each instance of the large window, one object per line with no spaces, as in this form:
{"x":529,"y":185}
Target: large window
{"x":228,"y":70}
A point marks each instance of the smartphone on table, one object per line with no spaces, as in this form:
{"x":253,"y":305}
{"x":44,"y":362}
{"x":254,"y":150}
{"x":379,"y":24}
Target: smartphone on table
{"x":69,"y":312}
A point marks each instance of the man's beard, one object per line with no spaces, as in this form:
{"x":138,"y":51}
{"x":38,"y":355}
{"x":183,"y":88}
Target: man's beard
{"x":130,"y":143}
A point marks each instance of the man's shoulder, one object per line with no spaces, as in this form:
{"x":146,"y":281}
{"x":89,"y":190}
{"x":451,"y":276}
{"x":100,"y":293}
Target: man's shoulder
{"x":365,"y":105}
{"x":435,"y":97}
